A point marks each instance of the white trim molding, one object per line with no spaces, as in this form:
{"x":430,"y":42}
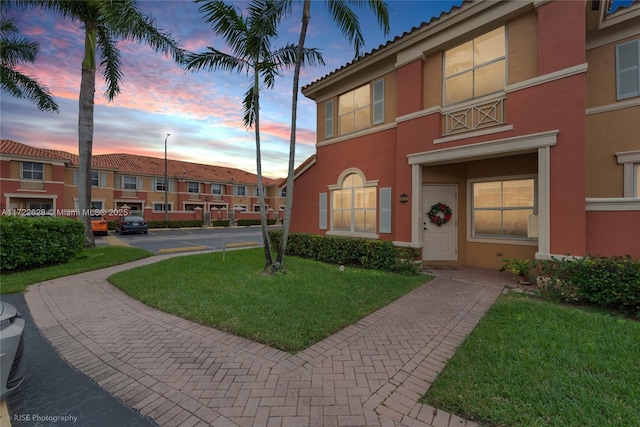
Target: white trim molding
{"x":613,"y":107}
{"x":547,"y":78}
{"x":629,"y":160}
{"x":506,"y":146}
{"x":613,"y":204}
{"x":465,"y":135}
{"x":374,"y":129}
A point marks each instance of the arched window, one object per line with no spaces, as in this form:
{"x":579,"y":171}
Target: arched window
{"x":354,"y":205}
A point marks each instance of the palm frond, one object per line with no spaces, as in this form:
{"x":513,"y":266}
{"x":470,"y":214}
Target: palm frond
{"x":22,"y":86}
{"x":110,"y":63}
{"x":212,"y":59}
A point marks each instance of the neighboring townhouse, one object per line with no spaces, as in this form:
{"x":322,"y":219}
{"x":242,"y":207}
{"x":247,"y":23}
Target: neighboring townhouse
{"x":33,"y":178}
{"x":500,"y":129}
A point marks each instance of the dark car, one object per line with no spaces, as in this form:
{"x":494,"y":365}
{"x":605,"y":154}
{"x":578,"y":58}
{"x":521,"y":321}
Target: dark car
{"x":12,"y":364}
{"x":131,"y":224}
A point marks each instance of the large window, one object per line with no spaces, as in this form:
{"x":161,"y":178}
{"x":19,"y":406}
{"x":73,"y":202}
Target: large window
{"x":160,"y":184}
{"x":628,"y":69}
{"x":32,"y":170}
{"x":501,"y":208}
{"x":193,"y":187}
{"x":160,"y":207}
{"x":475,"y":68}
{"x":241,"y":190}
{"x":354,"y":110}
{"x":129,"y":182}
{"x":354,"y":206}
{"x":216,"y":189}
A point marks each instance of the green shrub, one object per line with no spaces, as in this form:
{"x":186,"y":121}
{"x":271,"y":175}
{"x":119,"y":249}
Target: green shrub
{"x":220,"y":223}
{"x":367,"y":253}
{"x":247,"y":222}
{"x":176,"y":224}
{"x":610,"y":282}
{"x":33,"y":242}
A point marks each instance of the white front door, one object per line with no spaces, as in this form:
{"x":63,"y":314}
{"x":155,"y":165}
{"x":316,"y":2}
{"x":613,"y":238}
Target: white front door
{"x":440,"y":242}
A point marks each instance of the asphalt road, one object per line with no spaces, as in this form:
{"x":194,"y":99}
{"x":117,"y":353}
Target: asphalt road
{"x":56,"y":394}
{"x":188,"y":239}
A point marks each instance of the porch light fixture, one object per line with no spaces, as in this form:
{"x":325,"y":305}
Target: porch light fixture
{"x":166,"y":181}
{"x":404,"y":198}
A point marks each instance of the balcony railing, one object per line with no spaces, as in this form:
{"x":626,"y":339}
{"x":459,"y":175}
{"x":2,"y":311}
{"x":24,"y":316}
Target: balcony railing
{"x":474,"y":117}
{"x":129,"y":193}
{"x":194,"y":196}
{"x":32,"y":185}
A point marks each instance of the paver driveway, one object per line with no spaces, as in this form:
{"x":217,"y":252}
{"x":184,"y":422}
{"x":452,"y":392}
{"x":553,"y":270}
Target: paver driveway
{"x":184,"y":374}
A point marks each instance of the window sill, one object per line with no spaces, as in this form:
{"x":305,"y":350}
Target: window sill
{"x":503,"y":241}
{"x":353,"y":234}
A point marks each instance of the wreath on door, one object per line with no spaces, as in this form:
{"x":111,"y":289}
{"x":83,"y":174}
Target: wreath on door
{"x":439,"y":214}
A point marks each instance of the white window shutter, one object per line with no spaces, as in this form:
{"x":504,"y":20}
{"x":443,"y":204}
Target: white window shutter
{"x":322,"y":222}
{"x":171,"y":186}
{"x":378,"y":102}
{"x":385,"y":210}
{"x":118,"y":181}
{"x":75,"y":177}
{"x":328,"y":119}
{"x":103,"y":179}
{"x":628,"y":69}
{"x":140,"y":182}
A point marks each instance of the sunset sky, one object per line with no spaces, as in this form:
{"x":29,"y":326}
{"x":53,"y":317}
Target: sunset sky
{"x":202,"y":111}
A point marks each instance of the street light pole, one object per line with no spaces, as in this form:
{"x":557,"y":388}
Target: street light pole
{"x":166,"y":182}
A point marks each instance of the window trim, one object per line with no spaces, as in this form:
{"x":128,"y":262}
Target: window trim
{"x":631,"y":168}
{"x":213,"y":185}
{"x":522,"y":241}
{"x":31,"y":171}
{"x":368,"y":106}
{"x":189,"y":187}
{"x":338,"y":186}
{"x":124,"y":183}
{"x":237,"y":187}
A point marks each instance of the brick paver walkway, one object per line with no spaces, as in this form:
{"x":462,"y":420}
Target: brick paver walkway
{"x":181,"y":373}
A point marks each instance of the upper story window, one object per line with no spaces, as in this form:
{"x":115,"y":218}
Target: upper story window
{"x":161,"y":185}
{"x":283,"y":192}
{"x":129,"y":182}
{"x":628,"y":69}
{"x":216,"y":189}
{"x":33,"y":171}
{"x":193,"y":187}
{"x":631,"y":172}
{"x":354,"y":110}
{"x":501,"y":209}
{"x":241,"y":190}
{"x":475,"y":68}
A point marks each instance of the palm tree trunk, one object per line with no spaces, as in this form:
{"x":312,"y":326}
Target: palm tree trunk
{"x":85,"y":132}
{"x":286,"y":222}
{"x":263,"y":213}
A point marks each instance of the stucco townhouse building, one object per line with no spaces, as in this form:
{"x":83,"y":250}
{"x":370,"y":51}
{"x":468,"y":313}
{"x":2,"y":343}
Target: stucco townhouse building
{"x":497,"y":130}
{"x":35,"y":178}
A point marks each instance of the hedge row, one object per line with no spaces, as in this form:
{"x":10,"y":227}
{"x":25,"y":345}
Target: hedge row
{"x":367,"y":253}
{"x":610,"y":282}
{"x":247,"y":222}
{"x":34,"y":242}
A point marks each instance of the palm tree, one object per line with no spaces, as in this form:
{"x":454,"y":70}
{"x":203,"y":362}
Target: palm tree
{"x":13,"y":51}
{"x":347,"y":21}
{"x":250,"y":40}
{"x":104,"y":22}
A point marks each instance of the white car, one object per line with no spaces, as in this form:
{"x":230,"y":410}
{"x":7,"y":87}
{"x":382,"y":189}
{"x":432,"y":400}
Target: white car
{"x":12,"y":363}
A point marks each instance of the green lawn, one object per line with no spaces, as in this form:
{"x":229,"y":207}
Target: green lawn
{"x":88,"y":260}
{"x":535,"y":363}
{"x":290,"y":312}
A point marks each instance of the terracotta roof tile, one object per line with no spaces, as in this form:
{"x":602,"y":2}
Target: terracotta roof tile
{"x":142,"y":165}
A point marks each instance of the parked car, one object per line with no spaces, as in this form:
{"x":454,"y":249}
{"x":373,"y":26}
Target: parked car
{"x":12,"y":363}
{"x":99,"y":225}
{"x":131,"y":224}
